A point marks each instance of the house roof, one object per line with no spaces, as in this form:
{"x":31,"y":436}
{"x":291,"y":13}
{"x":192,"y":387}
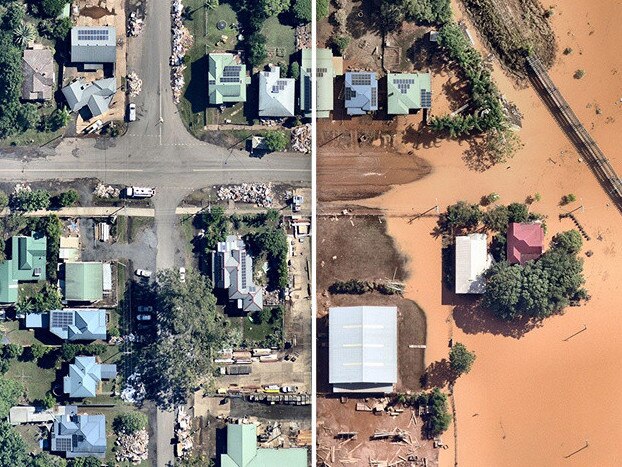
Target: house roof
{"x":75,"y":324}
{"x":93,"y":45}
{"x":276,"y":94}
{"x":233,"y":270}
{"x":361,"y":92}
{"x":472,"y":260}
{"x":242,"y":450}
{"x":8,"y":286}
{"x":227,"y":79}
{"x":29,"y":257}
{"x":325,"y":74}
{"x":84,"y":377}
{"x":363,"y":348}
{"x":97,"y":95}
{"x":408,"y":91}
{"x":79,"y":435}
{"x":525,"y":242}
{"x":39,"y":77}
{"x":84,"y":281}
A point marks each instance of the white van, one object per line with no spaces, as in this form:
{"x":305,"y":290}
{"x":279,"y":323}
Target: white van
{"x":139,"y":192}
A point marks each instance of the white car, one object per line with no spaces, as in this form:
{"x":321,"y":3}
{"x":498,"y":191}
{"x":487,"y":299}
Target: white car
{"x":182,"y":274}
{"x":131,"y":112}
{"x":143,"y":317}
{"x":145,"y":309}
{"x":143,"y":273}
{"x":287,"y":389}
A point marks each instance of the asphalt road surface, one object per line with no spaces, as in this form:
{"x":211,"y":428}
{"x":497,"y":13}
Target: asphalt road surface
{"x":156,"y":151}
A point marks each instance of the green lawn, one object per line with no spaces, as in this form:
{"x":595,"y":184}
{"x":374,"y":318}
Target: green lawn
{"x":137,"y":225}
{"x":121,"y":229}
{"x":224,"y":12}
{"x":280,"y":41}
{"x":31,"y":435}
{"x":37,"y":381}
{"x":256,"y":332}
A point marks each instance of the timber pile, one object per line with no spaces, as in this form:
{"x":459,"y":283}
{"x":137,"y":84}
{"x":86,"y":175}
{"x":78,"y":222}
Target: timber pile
{"x":106,"y":191}
{"x":303,"y":37}
{"x":301,"y":138}
{"x":132,"y":447}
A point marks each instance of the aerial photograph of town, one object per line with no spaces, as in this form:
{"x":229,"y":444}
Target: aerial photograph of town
{"x":469,"y":206}
{"x":155,"y":233}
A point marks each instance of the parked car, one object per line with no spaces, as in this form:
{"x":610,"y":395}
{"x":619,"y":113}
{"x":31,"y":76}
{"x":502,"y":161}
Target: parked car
{"x":93,"y":127}
{"x":144,"y":317}
{"x":182,"y":274}
{"x":145,"y":309}
{"x":287,"y":389}
{"x":143,"y":273}
{"x":131,"y":112}
{"x":139,"y":192}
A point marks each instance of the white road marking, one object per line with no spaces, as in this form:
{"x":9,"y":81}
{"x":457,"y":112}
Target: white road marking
{"x":72,"y":170}
{"x":251,"y":170}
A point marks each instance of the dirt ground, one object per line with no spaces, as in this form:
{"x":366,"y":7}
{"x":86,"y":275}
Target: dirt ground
{"x":335,"y":416}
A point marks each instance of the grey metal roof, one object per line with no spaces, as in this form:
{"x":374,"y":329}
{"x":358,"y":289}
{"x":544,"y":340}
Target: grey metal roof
{"x":84,"y":377}
{"x":93,"y":45}
{"x":79,"y":435}
{"x":96,"y":95}
{"x":361,"y":92}
{"x":76,"y":324}
{"x":363,"y":348}
{"x":276,"y":94}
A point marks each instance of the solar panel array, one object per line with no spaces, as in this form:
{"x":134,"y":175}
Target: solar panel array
{"x":374,"y":97}
{"x":320,"y":72}
{"x":307,"y":82}
{"x":279,"y":86}
{"x":212,"y":82}
{"x":426,"y":99}
{"x":243,"y":263}
{"x":350,"y":93}
{"x":62,"y":319}
{"x":93,"y":34}
{"x":403,"y":84}
{"x":361,"y":80}
{"x":231,"y":74}
{"x":63,"y":444}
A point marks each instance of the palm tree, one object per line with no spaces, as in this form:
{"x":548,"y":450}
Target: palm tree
{"x":23,"y":34}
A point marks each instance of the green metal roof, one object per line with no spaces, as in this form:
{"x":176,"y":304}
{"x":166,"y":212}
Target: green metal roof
{"x":242,"y":451}
{"x":29,"y":257}
{"x":8,"y":286}
{"x":84,"y":281}
{"x":325,"y":75}
{"x":404,"y":92}
{"x":226,"y":85}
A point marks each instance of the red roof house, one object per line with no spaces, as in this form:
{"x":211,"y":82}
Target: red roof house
{"x":525,"y":242}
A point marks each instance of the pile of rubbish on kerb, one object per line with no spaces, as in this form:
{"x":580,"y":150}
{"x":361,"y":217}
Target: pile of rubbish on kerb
{"x":103,"y":191}
{"x":272,"y":298}
{"x":182,"y":41}
{"x":303,"y":37}
{"x":132,"y":447}
{"x":134,"y":84}
{"x":182,"y":433}
{"x":253,"y":193}
{"x":301,"y":138}
{"x":19,"y":188}
{"x":134,"y":390}
{"x":134,"y":24}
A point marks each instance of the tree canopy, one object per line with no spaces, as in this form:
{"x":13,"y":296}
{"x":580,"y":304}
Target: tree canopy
{"x":461,"y":215}
{"x":276,"y":140}
{"x":439,"y":418}
{"x":215,"y":223}
{"x":274,"y":7}
{"x":302,"y":10}
{"x":129,"y":422}
{"x":10,"y":393}
{"x":12,"y":447}
{"x":30,"y":200}
{"x":45,"y":459}
{"x":191,"y":332}
{"x":460,"y":359}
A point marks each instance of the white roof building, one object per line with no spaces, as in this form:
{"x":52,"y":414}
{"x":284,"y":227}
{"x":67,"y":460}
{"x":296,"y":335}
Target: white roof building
{"x":472,"y":260}
{"x":276,"y":94}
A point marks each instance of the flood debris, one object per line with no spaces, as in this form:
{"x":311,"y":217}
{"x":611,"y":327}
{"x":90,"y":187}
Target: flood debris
{"x":301,"y":138}
{"x":182,"y":40}
{"x":134,"y":24}
{"x":106,"y":191}
{"x":259,"y":194}
{"x":132,"y":447}
{"x":134,"y":84}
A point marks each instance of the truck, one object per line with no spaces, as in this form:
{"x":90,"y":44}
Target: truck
{"x":139,"y":192}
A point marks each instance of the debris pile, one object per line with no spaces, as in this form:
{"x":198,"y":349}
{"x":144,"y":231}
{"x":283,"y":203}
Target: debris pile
{"x":301,"y":138}
{"x":135,"y":24}
{"x":134,"y":390}
{"x":183,"y":434}
{"x":19,"y":188}
{"x":132,"y":447}
{"x":252,"y":193}
{"x":272,"y":298}
{"x":303,"y":37}
{"x":182,"y":41}
{"x":134,"y":84}
{"x":103,"y":191}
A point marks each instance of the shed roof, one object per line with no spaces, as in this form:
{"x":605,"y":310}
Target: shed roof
{"x":472,"y":260}
{"x":226,"y":80}
{"x":38,"y":71}
{"x":84,"y":281}
{"x":8,"y":286}
{"x":361,"y":92}
{"x":408,"y":91}
{"x":276,"y":94}
{"x":93,"y":45}
{"x":525,"y":242}
{"x":324,"y":74}
{"x":363,"y":348}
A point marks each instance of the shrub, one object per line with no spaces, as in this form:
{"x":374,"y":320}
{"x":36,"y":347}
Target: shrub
{"x":12,"y":351}
{"x":256,"y":49}
{"x":51,"y":8}
{"x":302,"y":11}
{"x":567,"y":51}
{"x":4,"y":200}
{"x":67,"y":198}
{"x":294,"y":70}
{"x":438,"y":420}
{"x":460,"y":359}
{"x":38,"y":350}
{"x":567,"y":199}
{"x":30,"y":200}
{"x":352,"y":287}
{"x":339,"y":44}
{"x":130,"y":422}
{"x":276,"y":141}
{"x":579,"y":74}
{"x":321,"y":9}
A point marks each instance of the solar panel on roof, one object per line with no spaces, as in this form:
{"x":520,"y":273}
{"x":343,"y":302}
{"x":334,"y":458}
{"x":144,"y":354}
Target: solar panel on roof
{"x":374,"y":97}
{"x":230,"y":79}
{"x":232,"y":70}
{"x":279,"y":86}
{"x":62,"y":319}
{"x":361,"y":80}
{"x":350,"y":94}
{"x":93,"y":34}
{"x":426,"y":99}
{"x":63,"y":444}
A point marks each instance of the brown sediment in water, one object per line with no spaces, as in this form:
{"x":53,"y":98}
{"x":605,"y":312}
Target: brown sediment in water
{"x":96,"y":12}
{"x":534,"y":396}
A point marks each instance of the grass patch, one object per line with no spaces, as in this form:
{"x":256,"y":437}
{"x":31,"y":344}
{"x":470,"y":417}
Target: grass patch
{"x":34,"y":137}
{"x":31,"y":435}
{"x":121,"y":229}
{"x":280,"y":41}
{"x":225,"y":13}
{"x":18,"y":336}
{"x":256,"y":332}
{"x":137,"y":225}
{"x":37,"y":381}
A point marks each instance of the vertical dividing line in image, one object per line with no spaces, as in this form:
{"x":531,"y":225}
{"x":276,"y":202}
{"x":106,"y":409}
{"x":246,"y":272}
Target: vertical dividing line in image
{"x":314,"y":234}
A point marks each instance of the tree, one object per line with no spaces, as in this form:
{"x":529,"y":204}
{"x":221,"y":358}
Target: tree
{"x":58,"y":120}
{"x":13,"y":451}
{"x":130,"y":422}
{"x":13,"y":16}
{"x":51,"y":8}
{"x":294,"y":70}
{"x":302,"y":10}
{"x":567,"y":199}
{"x":438,"y":418}
{"x":216,"y":225}
{"x":45,"y":459}
{"x":497,"y":218}
{"x":47,"y":402}
{"x":274,"y":7}
{"x":23,"y":34}
{"x":85,"y":462}
{"x":56,"y":29}
{"x":518,"y":212}
{"x":570,"y":241}
{"x":10,"y":392}
{"x":321,"y":9}
{"x":256,"y":49}
{"x":38,"y":350}
{"x":68,"y":198}
{"x":4,"y":200}
{"x":276,"y":141}
{"x":391,"y":15}
{"x":461,"y":215}
{"x":191,"y":332}
{"x":339,"y":44}
{"x":460,"y":359}
{"x":27,"y":200}
{"x":12,"y":351}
